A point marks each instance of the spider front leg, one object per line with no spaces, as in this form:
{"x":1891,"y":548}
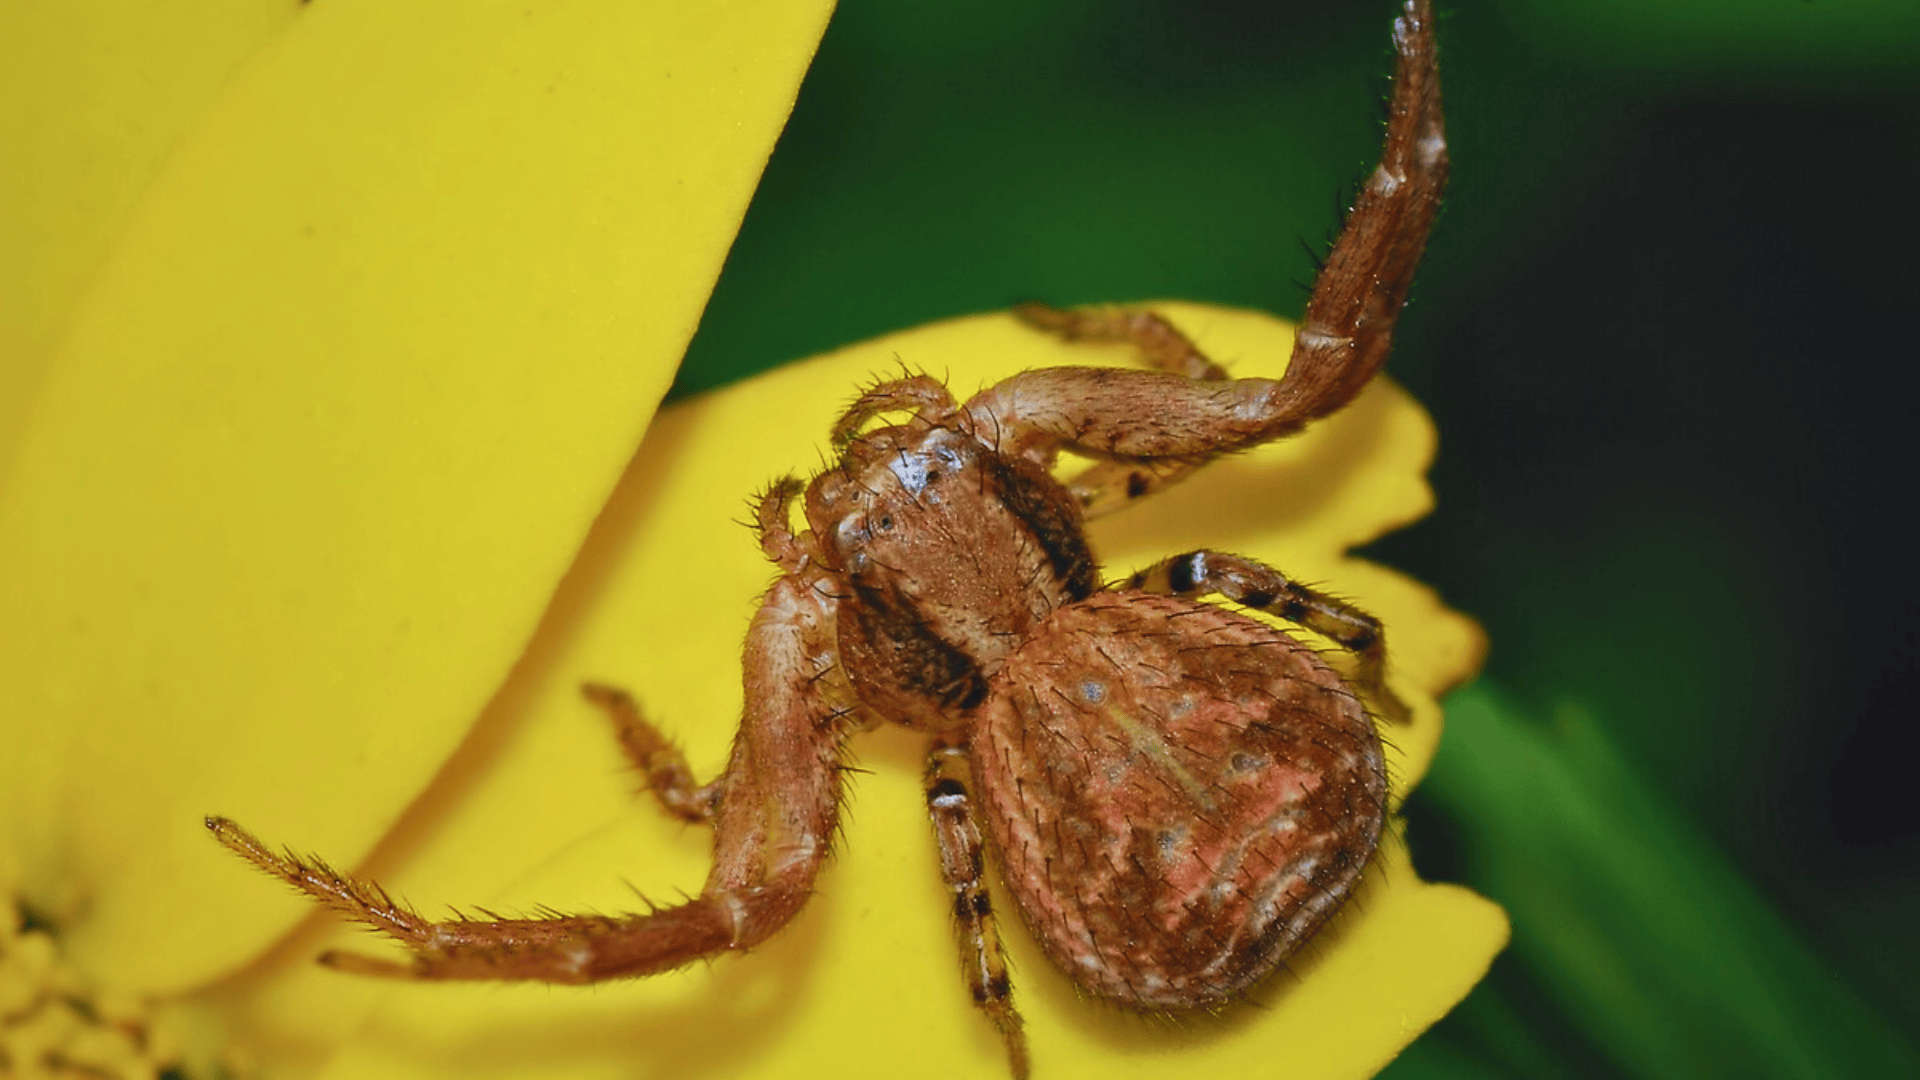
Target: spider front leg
{"x":1256,"y":585}
{"x":963,"y":868}
{"x":558,"y":949}
{"x":1347,"y":330}
{"x":1155,"y":426}
{"x":774,"y":811}
{"x":657,"y":759}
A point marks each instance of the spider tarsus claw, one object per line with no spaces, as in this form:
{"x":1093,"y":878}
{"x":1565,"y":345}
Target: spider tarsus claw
{"x":238,"y":840}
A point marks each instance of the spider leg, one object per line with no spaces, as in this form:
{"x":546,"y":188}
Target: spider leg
{"x":1348,"y":327}
{"x":774,"y":814}
{"x":668,"y":775}
{"x":770,"y":520}
{"x":559,"y":949}
{"x":1160,"y":343}
{"x":1342,"y":342}
{"x":923,"y":394}
{"x":962,"y":866}
{"x":1106,"y":486}
{"x":1259,"y":586}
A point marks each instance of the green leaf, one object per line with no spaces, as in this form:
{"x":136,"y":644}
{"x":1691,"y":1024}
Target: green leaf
{"x":1656,"y":951}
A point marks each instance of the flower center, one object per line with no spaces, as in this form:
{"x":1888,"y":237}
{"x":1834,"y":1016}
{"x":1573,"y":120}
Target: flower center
{"x":53,"y":1024}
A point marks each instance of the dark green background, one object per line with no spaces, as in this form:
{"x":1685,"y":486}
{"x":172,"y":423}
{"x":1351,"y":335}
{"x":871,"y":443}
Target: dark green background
{"x":1667,"y":328}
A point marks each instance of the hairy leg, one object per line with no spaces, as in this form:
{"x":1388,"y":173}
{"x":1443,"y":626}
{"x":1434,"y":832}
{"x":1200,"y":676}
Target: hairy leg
{"x":919,"y":394}
{"x":1342,"y":343}
{"x":1259,"y":586}
{"x":963,"y":867}
{"x":774,"y":811}
{"x":1161,"y":343}
{"x":1106,"y":486}
{"x":668,"y":775}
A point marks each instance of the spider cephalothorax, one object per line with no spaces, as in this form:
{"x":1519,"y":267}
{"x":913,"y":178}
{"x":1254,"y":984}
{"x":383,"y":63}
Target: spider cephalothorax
{"x":1176,"y":794}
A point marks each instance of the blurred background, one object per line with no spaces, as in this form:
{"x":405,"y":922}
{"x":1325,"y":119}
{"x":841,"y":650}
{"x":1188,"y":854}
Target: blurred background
{"x":1667,"y":329}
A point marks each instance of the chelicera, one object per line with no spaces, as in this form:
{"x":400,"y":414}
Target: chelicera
{"x":1176,"y":794}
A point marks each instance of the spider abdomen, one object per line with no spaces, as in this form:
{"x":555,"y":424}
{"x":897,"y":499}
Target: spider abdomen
{"x":1180,"y":794}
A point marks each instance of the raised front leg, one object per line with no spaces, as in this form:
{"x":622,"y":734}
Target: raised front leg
{"x":963,"y":868}
{"x":1342,"y":342}
{"x":1257,"y":585}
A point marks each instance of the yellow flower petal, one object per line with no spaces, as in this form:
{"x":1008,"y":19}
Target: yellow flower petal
{"x":328,"y":424}
{"x":539,"y":810}
{"x":96,"y":94}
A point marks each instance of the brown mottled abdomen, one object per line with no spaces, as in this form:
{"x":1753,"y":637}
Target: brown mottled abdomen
{"x":1180,"y":794}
